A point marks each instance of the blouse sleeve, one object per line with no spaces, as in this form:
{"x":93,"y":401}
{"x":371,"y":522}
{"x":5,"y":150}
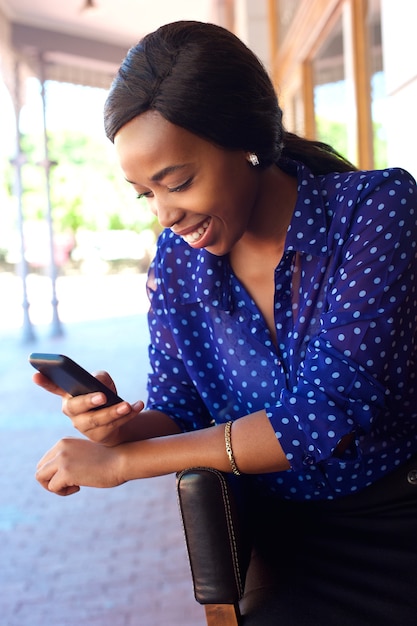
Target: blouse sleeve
{"x":170,"y":388}
{"x":360,"y":368}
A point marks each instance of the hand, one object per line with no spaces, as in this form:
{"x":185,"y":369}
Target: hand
{"x":102,"y":425}
{"x":73,"y":463}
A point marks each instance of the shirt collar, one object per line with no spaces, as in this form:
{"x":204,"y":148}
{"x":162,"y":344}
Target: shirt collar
{"x":307,"y":231}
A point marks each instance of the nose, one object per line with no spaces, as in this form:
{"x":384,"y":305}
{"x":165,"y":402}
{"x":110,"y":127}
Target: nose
{"x":165,"y":212}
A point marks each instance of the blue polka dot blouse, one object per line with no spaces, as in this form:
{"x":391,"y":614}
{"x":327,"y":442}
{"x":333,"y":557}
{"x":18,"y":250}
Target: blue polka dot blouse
{"x":345,"y":314}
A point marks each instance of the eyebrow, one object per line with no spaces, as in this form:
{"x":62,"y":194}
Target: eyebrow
{"x":164,"y":172}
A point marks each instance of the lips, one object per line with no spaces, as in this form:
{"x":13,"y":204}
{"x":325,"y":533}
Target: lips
{"x":195,"y":235}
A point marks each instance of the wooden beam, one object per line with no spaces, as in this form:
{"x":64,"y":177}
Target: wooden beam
{"x":273,"y":19}
{"x":362,"y":81}
{"x":307,"y":27}
{"x":308,"y":100}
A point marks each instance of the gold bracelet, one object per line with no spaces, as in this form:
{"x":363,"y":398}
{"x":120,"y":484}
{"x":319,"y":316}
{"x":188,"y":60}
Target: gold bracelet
{"x":229,"y":450}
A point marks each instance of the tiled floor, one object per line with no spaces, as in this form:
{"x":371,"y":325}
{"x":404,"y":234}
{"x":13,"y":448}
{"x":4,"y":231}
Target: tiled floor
{"x":100,"y":557}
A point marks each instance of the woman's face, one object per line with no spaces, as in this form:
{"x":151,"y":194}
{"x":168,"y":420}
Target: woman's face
{"x":203,"y":193}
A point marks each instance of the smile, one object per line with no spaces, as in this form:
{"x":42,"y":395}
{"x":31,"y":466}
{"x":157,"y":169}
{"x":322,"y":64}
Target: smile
{"x":194,"y":236}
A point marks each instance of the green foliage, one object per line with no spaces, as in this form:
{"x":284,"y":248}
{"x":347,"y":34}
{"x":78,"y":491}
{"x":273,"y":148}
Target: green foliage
{"x":336,"y":135}
{"x":87,"y":187}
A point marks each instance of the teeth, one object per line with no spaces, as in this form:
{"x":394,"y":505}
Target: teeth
{"x":197,"y":234}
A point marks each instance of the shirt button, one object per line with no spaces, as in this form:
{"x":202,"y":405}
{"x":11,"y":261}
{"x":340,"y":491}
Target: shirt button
{"x":412,"y":477}
{"x":308,"y":459}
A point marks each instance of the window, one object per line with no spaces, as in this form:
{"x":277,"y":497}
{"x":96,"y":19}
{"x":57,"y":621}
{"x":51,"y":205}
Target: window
{"x":333,"y":94}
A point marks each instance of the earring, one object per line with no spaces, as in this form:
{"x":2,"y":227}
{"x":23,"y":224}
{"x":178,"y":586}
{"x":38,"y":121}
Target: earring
{"x":253,"y":159}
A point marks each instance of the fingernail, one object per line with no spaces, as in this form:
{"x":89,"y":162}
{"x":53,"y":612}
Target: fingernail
{"x":97,"y":399}
{"x":122,"y":409}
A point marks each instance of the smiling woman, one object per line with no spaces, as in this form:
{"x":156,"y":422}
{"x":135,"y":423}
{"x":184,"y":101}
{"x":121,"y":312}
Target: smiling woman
{"x":176,"y":171}
{"x":283,"y":300}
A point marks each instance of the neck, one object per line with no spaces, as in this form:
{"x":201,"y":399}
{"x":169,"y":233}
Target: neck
{"x":271,"y":216}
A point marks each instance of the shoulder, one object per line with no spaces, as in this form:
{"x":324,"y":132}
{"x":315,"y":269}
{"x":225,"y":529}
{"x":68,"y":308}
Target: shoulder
{"x":388,"y":193}
{"x":360,"y":184}
{"x":355,"y":186}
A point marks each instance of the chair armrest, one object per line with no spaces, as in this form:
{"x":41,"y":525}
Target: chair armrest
{"x":215,"y":534}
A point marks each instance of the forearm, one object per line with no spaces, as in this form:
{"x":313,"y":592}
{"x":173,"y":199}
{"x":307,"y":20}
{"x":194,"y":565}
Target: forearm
{"x":75,"y":462}
{"x":255,"y":448}
{"x":146,"y":425}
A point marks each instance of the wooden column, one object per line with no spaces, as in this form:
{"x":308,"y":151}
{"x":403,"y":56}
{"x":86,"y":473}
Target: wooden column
{"x":362,"y":81}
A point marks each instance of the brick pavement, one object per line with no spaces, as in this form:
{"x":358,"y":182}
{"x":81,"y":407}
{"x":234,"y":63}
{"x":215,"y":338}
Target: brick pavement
{"x":100,"y":557}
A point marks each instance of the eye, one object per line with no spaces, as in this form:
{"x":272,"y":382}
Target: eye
{"x":181,"y":187}
{"x":145,"y":194}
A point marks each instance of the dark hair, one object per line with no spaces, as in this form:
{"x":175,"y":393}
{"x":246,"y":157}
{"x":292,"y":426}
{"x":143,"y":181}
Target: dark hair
{"x":203,"y":78}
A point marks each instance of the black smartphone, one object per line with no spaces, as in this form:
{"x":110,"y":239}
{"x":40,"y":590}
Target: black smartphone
{"x":71,"y":377}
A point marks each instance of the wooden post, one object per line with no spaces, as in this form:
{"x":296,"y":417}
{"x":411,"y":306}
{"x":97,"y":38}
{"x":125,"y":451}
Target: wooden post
{"x":362,"y":81}
{"x":222,"y":614}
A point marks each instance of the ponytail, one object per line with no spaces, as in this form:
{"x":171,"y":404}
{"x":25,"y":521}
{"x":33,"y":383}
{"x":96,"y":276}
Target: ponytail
{"x":319,"y":157}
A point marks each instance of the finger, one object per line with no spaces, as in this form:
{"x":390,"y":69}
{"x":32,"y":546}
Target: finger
{"x":44,"y":462}
{"x":68,"y":491}
{"x":52,"y":477}
{"x":47,"y":384}
{"x":98,"y":424}
{"x":76,"y":405}
{"x":82,"y":405}
{"x":102,"y":425}
{"x":106,"y":379}
{"x":55,"y":485}
{"x":60,"y":487}
{"x":46,"y":468}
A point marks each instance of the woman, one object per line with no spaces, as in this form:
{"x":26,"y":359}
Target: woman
{"x":283,"y":302}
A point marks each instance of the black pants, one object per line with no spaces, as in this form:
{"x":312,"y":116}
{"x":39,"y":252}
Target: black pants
{"x":347,"y":562}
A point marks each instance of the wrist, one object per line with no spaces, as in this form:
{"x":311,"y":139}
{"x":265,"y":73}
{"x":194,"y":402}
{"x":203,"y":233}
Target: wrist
{"x":139,"y":459}
{"x":113,"y":439}
{"x":123,"y":463}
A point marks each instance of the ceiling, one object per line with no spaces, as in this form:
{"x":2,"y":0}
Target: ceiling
{"x":78,"y":36}
{"x":121,"y":22}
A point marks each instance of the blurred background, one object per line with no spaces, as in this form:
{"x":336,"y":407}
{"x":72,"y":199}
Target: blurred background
{"x":345,"y":71}
{"x":75,"y":245}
